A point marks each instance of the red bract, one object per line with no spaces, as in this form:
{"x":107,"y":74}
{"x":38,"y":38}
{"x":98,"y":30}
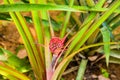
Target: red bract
{"x":56,"y":44}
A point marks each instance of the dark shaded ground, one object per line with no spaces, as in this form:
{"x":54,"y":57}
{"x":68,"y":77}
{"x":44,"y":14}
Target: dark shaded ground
{"x":10,"y":40}
{"x":94,"y":73}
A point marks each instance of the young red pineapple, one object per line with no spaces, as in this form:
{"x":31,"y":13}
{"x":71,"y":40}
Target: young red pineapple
{"x":56,"y":46}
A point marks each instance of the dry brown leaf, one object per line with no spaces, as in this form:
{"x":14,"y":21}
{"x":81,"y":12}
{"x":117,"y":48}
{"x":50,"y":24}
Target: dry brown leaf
{"x":22,"y":53}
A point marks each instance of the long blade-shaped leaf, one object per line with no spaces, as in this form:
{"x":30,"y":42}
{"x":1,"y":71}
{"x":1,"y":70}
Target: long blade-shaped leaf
{"x":33,"y":7}
{"x":37,"y":7}
{"x":28,"y":41}
{"x":81,"y":70}
{"x":39,"y":30}
{"x":6,"y":70}
{"x":98,"y":22}
{"x":106,"y":38}
{"x":66,"y":20}
{"x":81,"y":32}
